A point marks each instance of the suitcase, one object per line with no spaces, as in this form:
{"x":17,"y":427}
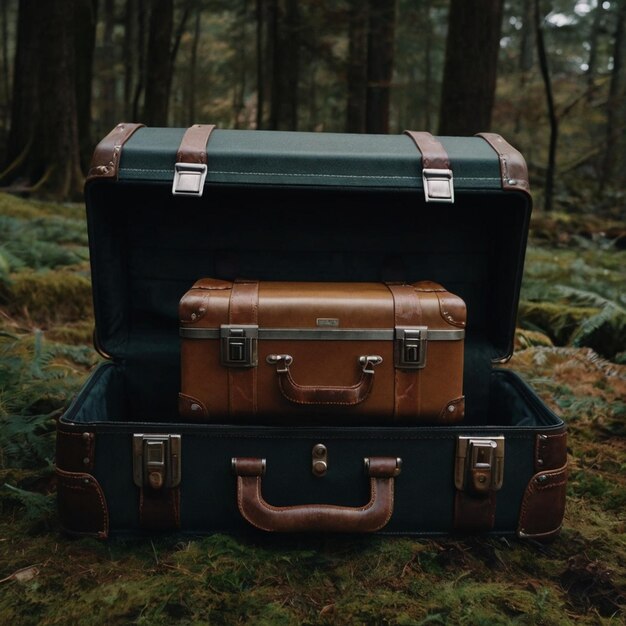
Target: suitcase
{"x":166,"y":206}
{"x":297,"y":353}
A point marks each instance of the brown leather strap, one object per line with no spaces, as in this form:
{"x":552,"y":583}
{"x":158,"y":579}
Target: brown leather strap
{"x":105,"y":162}
{"x":243,"y":309}
{"x":193,"y":145}
{"x":474,"y":513}
{"x":316,"y":517}
{"x":513,"y":167}
{"x":407,"y":312}
{"x":159,"y":509}
{"x":434,"y":155}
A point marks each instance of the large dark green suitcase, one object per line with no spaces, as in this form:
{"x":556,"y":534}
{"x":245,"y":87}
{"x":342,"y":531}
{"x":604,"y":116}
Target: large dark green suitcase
{"x":166,"y":206}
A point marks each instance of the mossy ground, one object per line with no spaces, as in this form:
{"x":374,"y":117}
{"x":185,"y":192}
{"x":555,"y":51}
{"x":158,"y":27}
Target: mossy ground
{"x":46,"y":578}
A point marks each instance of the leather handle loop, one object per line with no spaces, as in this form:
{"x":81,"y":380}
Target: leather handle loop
{"x":325,"y":395}
{"x":317,"y":517}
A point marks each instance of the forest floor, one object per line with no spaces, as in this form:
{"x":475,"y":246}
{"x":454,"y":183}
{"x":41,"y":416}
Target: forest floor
{"x":570,"y":345}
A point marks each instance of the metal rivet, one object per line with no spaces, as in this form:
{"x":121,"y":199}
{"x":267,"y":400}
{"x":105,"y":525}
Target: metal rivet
{"x":543,"y":437}
{"x":482,"y":479}
{"x":539,"y":461}
{"x":86,"y":435}
{"x":451,"y":408}
{"x":86,"y":481}
{"x":195,"y":407}
{"x":542,"y":479}
{"x":86,"y":460}
{"x":319,"y":467}
{"x":512,"y":181}
{"x":193,"y":316}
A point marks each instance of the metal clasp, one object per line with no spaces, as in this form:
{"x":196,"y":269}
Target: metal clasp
{"x":438,"y":185}
{"x":156,"y":460}
{"x":319,"y":460}
{"x":479,"y":466}
{"x":189,"y":179}
{"x":239,"y":345}
{"x":410,"y":346}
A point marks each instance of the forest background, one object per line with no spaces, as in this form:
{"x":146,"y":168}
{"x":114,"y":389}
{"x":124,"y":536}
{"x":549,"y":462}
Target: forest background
{"x":549,"y":77}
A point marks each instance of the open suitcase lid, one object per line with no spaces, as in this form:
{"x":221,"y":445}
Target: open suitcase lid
{"x":276,"y":205}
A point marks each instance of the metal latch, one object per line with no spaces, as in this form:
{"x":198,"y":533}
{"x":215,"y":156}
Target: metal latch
{"x":438,"y":185}
{"x":156,"y":460}
{"x":239,"y":345}
{"x":410,"y":346}
{"x":479,"y":466}
{"x":189,"y":179}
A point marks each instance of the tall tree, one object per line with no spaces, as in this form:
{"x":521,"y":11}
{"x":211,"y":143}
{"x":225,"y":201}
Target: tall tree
{"x":380,"y":49}
{"x":469,"y":78}
{"x":357,"y":67}
{"x":159,"y":63}
{"x":614,"y":156}
{"x":43,"y":148}
{"x":554,"y":121}
{"x":108,"y":70}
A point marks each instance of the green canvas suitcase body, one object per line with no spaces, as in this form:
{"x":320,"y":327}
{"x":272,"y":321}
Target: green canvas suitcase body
{"x":168,"y":206}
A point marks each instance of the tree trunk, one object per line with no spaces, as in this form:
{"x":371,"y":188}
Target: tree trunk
{"x":142,"y":19}
{"x":129,"y":55}
{"x":470,"y":70}
{"x":614,"y":156}
{"x":5,"y":67}
{"x":554,"y":123}
{"x":108,"y":68}
{"x":159,"y":63}
{"x":44,"y":153}
{"x":428,"y":76}
{"x":594,"y":37}
{"x":357,"y":67}
{"x":193,"y":68}
{"x":286,"y":63}
{"x":86,"y":19}
{"x":380,"y":48}
{"x":526,"y":59}
{"x":239,"y":88}
{"x":260,"y":75}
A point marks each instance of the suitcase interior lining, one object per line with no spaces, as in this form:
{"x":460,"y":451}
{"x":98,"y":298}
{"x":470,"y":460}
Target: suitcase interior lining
{"x":104,"y":399}
{"x":148,"y":247}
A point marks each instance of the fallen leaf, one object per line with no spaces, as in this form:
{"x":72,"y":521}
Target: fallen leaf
{"x":22,"y":575}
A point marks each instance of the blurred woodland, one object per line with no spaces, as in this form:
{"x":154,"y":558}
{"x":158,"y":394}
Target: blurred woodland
{"x":549,"y":76}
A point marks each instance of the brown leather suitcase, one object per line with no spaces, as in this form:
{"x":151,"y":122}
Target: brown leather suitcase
{"x":278,"y":352}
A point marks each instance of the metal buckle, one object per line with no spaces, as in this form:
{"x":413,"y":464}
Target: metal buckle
{"x":239,"y":345}
{"x":156,"y":460}
{"x":369,"y":362}
{"x":410,"y":346}
{"x":438,"y":185}
{"x":479,"y":466}
{"x":189,"y":179}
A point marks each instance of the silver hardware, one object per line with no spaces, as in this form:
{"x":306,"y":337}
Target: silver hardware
{"x":319,"y":460}
{"x":369,"y":362}
{"x":278,"y":358}
{"x":156,"y":460}
{"x":326,"y":334}
{"x":479,"y":466}
{"x":327,"y":321}
{"x":239,"y":345}
{"x":410,"y":347}
{"x":438,"y":185}
{"x":189,"y":179}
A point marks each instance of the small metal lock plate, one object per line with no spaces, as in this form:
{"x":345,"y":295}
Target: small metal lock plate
{"x":438,"y":185}
{"x":410,"y":346}
{"x":479,"y":465}
{"x":156,"y":460}
{"x":319,"y":460}
{"x":239,"y":345}
{"x":189,"y":179}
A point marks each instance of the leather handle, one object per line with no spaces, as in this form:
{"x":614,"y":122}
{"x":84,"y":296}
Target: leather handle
{"x":345,"y":396}
{"x":317,"y":517}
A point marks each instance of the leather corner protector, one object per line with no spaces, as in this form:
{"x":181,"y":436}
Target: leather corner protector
{"x":454,"y":411}
{"x":452,"y":309}
{"x":513,"y":168}
{"x":75,"y":451}
{"x":106,"y":157}
{"x":191,"y":407}
{"x":82,"y":506}
{"x":543,"y":505}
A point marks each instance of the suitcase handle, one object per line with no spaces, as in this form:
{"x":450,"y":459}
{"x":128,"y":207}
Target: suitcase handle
{"x":303,"y":394}
{"x":317,"y":517}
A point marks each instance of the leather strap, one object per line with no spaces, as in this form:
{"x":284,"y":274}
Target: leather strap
{"x":105,"y":162}
{"x":159,"y":509}
{"x":434,"y":155}
{"x":513,"y":167}
{"x":474,"y":513}
{"x":193,"y":145}
{"x":243,"y":309}
{"x":316,"y":517}
{"x":407,"y":312}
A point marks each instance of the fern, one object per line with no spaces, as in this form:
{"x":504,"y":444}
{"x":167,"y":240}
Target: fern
{"x":38,"y":508}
